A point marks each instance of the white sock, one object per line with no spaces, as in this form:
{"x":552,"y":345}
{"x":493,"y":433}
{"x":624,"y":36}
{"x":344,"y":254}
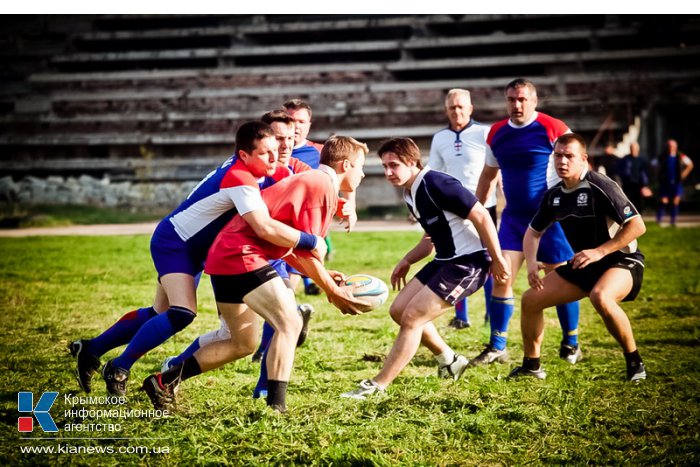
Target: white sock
{"x":446,"y":357}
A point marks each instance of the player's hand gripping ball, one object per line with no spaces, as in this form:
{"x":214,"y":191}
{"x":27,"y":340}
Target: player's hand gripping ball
{"x":369,"y":289}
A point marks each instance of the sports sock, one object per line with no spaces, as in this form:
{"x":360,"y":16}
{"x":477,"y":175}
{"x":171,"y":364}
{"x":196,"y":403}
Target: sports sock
{"x":261,"y":385}
{"x":488,"y":289}
{"x":189,"y":351}
{"x":156,"y":331}
{"x":531,"y":363}
{"x":633,"y":359}
{"x":185,"y":370}
{"x":121,"y":332}
{"x":462,"y":310}
{"x":277,"y":394}
{"x":267,"y":333}
{"x":568,"y":319}
{"x":446,"y":357}
{"x":674,"y":213}
{"x":307,"y":281}
{"x":501,"y":311}
{"x":660,"y":208}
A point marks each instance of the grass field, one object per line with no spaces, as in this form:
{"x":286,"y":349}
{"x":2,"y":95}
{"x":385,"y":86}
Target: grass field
{"x":53,"y":290}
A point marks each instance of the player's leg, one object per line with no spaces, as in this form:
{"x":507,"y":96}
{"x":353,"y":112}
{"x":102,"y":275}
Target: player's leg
{"x":556,"y":290}
{"x":461,"y":319}
{"x":221,"y":334}
{"x":615,"y":285}
{"x":502,"y":305}
{"x":675,"y":208}
{"x":661,"y":208}
{"x":430,"y":338}
{"x":275,"y":303}
{"x":553,"y":251}
{"x":244,"y":327}
{"x":181,"y":292}
{"x":423,"y":307}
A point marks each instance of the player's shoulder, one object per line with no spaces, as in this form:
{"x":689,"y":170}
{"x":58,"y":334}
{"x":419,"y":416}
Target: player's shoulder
{"x":237,"y":175}
{"x":495,"y":128}
{"x":600,"y":181}
{"x":442,"y":132}
{"x":555,"y":127}
{"x":316,"y":146}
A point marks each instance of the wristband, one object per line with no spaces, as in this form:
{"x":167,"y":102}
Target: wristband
{"x":306,"y":241}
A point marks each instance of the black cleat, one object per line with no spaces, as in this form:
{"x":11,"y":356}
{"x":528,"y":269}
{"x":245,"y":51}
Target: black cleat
{"x":85,"y":364}
{"x":305,"y":310}
{"x":636,"y":374}
{"x":312,"y":289}
{"x":519,"y":371}
{"x":459,"y":324}
{"x":489,"y":355}
{"x":258,"y":355}
{"x":571,"y":354}
{"x":115,"y":379}
{"x":162,"y":395}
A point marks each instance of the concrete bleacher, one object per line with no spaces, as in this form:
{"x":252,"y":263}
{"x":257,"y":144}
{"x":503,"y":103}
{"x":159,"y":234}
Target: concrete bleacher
{"x":101,"y":88}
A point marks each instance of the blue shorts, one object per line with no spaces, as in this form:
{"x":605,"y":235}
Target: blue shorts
{"x":670,"y":190}
{"x":281,"y":267}
{"x":554,"y":248}
{"x":291,"y":270}
{"x":171,"y":254}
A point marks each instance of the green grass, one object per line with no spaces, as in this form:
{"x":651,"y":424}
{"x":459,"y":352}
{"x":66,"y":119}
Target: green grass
{"x":53,"y":290}
{"x":47,"y":215}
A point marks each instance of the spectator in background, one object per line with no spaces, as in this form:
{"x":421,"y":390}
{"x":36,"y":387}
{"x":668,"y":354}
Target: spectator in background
{"x":634,"y":177}
{"x":673,"y":167}
{"x":607,"y":163}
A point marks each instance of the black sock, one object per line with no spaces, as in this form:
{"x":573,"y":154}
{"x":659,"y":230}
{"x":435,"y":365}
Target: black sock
{"x":185,"y":370}
{"x":276,"y":394}
{"x":633,"y":359}
{"x":531,"y":363}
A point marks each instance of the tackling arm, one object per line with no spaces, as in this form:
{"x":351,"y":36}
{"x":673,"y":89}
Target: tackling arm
{"x":280,"y":234}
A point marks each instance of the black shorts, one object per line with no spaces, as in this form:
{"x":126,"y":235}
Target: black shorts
{"x":589,"y":276}
{"x":456,"y":278}
{"x":232,"y":288}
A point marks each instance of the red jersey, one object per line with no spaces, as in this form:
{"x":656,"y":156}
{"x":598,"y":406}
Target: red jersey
{"x":305,"y":201}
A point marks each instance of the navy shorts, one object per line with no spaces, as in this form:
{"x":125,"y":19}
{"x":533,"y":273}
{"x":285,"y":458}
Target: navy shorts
{"x":457,"y":278}
{"x":586,"y":278}
{"x":171,"y":254}
{"x":232,"y":288}
{"x":554,"y":248}
{"x":670,"y":190}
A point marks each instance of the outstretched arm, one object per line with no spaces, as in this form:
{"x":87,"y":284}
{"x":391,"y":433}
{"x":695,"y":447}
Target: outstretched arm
{"x":420,"y":251}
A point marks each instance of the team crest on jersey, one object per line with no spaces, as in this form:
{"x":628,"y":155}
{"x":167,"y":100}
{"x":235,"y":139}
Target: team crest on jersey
{"x":582,"y":199}
{"x":627,"y":211}
{"x":556,"y":201}
{"x":458,"y":147}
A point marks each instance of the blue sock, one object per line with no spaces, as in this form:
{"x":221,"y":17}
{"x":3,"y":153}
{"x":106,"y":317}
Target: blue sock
{"x":674,"y":213}
{"x":189,"y":351}
{"x":462,"y":310}
{"x":501,"y":311}
{"x":121,"y":332}
{"x":660,"y":212}
{"x":153,"y":333}
{"x":267,"y":333}
{"x":488,"y":289}
{"x":261,"y":386}
{"x":568,"y":319}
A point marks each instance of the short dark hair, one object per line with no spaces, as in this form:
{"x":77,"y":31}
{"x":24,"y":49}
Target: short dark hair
{"x":520,"y":82}
{"x":404,"y":148}
{"x":338,"y":148}
{"x":569,"y":138}
{"x":249,"y":133}
{"x":277,"y":116}
{"x":296,"y":104}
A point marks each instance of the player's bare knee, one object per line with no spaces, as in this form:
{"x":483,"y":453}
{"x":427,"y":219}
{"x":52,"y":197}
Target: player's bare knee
{"x":601,"y":301}
{"x":412,"y":317}
{"x":396,"y":312}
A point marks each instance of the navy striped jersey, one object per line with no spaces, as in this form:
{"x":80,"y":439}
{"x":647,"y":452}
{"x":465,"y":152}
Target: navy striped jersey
{"x":441,"y":204}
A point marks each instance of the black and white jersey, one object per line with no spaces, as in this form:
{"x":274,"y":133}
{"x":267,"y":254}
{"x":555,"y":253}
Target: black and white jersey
{"x":441,"y":204}
{"x":590,"y":213}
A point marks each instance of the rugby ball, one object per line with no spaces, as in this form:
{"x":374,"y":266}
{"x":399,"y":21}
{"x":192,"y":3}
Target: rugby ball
{"x":369,"y":289}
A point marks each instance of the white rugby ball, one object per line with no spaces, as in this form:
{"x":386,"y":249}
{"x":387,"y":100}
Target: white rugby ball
{"x":369,"y":289}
